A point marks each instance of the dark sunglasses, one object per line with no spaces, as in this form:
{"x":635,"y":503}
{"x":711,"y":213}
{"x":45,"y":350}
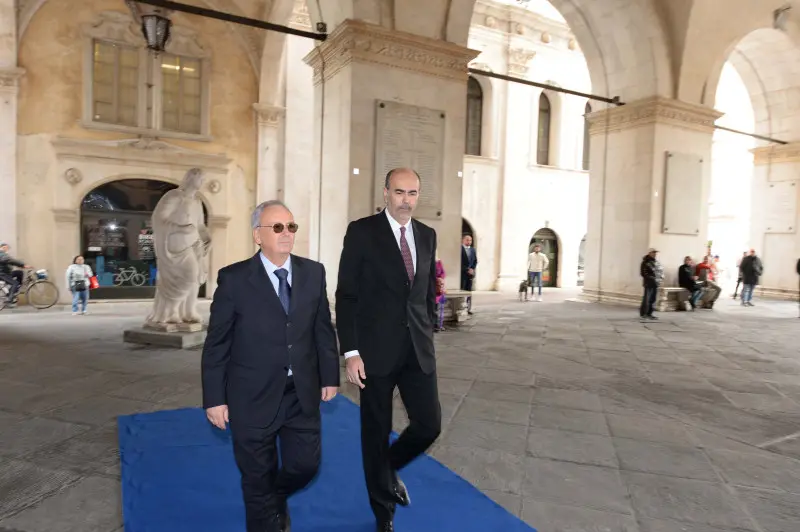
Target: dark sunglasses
{"x":278,"y":227}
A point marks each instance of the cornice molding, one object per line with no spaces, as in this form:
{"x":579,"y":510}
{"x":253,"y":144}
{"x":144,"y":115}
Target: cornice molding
{"x":361,"y":42}
{"x":139,"y":152}
{"x":517,"y":20}
{"x":654,"y":110}
{"x":269,"y":115}
{"x":774,"y":154}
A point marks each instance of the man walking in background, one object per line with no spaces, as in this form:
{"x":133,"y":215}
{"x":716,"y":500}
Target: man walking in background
{"x":537,"y":263}
{"x":385,"y":316}
{"x":752,"y":268}
{"x":652,"y":274}
{"x":469,"y":261}
{"x":269,"y":357}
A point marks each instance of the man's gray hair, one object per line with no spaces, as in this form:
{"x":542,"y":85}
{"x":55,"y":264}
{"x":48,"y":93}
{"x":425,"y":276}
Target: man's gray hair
{"x":391,"y":172}
{"x":255,"y":218}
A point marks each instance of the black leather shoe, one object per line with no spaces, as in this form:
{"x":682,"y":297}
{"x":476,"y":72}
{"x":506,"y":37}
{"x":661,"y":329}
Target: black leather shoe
{"x":386,"y":526}
{"x":400,"y":492}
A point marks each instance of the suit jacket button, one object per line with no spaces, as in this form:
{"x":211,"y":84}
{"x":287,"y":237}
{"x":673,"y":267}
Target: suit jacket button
{"x":288,"y":323}
{"x":290,"y":346}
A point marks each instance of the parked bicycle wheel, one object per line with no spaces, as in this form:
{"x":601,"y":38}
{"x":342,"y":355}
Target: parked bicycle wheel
{"x":42,"y":294}
{"x":4,"y":291}
{"x":137,"y":279}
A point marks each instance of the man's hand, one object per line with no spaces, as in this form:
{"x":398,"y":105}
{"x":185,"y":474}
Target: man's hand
{"x":355,"y":371}
{"x":470,"y":272}
{"x":329,"y":392}
{"x":218,"y":416}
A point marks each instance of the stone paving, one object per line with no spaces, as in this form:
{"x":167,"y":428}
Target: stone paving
{"x":574,"y":416}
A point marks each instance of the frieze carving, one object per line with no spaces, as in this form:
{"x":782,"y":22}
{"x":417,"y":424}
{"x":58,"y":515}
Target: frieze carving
{"x":518,"y":59}
{"x":481,"y":66}
{"x":783,"y":153}
{"x":358,"y":41}
{"x":214,"y":186}
{"x":73,"y":176}
{"x":300,"y":18}
{"x":650,"y":111}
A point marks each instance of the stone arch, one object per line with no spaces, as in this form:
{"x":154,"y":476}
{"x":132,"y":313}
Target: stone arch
{"x":547,"y":238}
{"x":468,"y":229}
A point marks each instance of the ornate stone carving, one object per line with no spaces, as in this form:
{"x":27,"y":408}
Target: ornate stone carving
{"x":9,"y":78}
{"x":214,"y":186}
{"x":138,"y":152}
{"x":73,"y":176}
{"x":782,"y":153}
{"x":182,"y":243}
{"x":518,"y":59}
{"x":300,"y":18}
{"x":573,"y":44}
{"x":651,"y":111}
{"x":491,"y":22}
{"x":269,"y":115}
{"x":519,"y":29}
{"x":358,"y":41}
{"x":546,"y":37}
{"x":114,"y":26}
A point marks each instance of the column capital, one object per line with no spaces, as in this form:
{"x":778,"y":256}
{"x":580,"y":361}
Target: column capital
{"x":518,"y":59}
{"x":269,"y":115}
{"x":9,"y":78}
{"x":651,"y":111}
{"x":777,"y":153}
{"x":361,"y":42}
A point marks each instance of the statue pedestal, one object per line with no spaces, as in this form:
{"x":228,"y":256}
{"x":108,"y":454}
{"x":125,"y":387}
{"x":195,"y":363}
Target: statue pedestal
{"x":176,"y":336}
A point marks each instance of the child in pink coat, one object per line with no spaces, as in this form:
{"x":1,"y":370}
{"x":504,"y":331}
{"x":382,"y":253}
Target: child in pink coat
{"x":440,"y":294}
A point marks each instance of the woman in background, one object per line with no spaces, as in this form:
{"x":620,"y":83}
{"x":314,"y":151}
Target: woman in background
{"x":440,"y":294}
{"x":78,"y":275}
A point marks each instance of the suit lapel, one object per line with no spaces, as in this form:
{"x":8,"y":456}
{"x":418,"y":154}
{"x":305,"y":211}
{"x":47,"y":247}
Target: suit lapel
{"x":423,"y":253}
{"x":299,"y":283}
{"x":263,"y":285}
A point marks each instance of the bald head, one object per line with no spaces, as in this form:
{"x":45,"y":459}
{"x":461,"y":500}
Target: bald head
{"x":401,"y":192}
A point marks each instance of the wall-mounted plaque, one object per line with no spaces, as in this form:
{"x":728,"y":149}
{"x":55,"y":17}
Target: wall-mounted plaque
{"x":683,"y":193}
{"x":411,"y":136}
{"x":780,"y":207}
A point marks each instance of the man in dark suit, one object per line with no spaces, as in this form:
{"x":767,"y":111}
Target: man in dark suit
{"x":269,"y":356}
{"x":469,"y":261}
{"x":385,"y":315}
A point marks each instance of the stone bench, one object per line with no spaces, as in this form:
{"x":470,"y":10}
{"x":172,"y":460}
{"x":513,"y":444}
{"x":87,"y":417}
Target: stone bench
{"x":671,"y":298}
{"x":455,"y":310}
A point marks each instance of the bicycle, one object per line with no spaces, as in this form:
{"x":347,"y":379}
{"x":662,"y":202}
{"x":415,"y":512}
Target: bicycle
{"x":129,"y":275}
{"x":39,"y":291}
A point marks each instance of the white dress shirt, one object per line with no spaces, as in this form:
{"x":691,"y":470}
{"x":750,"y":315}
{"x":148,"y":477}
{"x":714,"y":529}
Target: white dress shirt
{"x":270,"y":268}
{"x":411,"y":245}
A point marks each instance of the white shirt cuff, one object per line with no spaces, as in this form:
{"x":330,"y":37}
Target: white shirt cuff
{"x":351,"y":354}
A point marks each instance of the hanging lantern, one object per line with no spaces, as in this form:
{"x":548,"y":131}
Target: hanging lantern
{"x":156,"y":31}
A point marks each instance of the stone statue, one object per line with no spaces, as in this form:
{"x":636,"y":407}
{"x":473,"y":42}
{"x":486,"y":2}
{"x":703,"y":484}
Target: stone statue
{"x":182,"y":244}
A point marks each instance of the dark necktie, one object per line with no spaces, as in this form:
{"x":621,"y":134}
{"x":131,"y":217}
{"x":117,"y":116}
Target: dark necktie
{"x":284,"y":290}
{"x":405,"y":251}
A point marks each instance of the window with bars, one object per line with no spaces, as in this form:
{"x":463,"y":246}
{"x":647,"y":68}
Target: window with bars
{"x":543,"y":139}
{"x":474,"y":117}
{"x":133,"y":90}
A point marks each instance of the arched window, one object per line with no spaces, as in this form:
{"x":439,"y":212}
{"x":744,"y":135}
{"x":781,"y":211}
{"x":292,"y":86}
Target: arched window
{"x":587,"y":110}
{"x":543,"y":141}
{"x":474,"y":116}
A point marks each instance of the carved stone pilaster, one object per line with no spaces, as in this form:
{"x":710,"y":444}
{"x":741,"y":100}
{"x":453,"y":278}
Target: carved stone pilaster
{"x":773,"y":154}
{"x":269,"y":115}
{"x":361,"y":42}
{"x":518,"y":59}
{"x":9,"y":79}
{"x":654,"y":110}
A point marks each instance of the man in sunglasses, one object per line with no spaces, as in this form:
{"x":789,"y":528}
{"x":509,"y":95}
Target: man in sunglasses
{"x":385,"y":316}
{"x":269,"y":357}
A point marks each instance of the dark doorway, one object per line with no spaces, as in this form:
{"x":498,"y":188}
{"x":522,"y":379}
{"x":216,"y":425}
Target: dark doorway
{"x":581,"y":261}
{"x":466,"y":229}
{"x":548,"y":241}
{"x":117,"y":237}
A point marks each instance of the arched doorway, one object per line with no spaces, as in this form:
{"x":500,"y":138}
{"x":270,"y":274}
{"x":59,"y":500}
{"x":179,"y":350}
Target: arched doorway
{"x":117,"y":237}
{"x":466,"y":229}
{"x":548,"y":241}
{"x":581,"y":260}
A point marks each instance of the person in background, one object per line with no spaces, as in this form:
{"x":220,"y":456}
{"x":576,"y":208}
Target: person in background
{"x":652,"y":274}
{"x":440,"y":293}
{"x":688,"y":280}
{"x":739,"y":278}
{"x":705,"y":274}
{"x":78,"y":275}
{"x":537,"y":263}
{"x":469,"y":261}
{"x":752,"y":268}
{"x":9,"y":274}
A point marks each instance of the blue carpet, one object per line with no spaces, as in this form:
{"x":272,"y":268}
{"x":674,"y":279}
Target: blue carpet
{"x":178,"y":474}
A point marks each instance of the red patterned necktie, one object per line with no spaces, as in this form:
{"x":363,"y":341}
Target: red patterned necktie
{"x":405,"y":251}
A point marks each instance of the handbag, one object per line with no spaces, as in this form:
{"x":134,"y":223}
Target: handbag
{"x":79,"y":285}
{"x":93,"y":282}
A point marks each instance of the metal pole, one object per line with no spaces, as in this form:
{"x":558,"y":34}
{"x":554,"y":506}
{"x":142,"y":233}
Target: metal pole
{"x":236,"y":19}
{"x":759,"y":137}
{"x":615,"y":100}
